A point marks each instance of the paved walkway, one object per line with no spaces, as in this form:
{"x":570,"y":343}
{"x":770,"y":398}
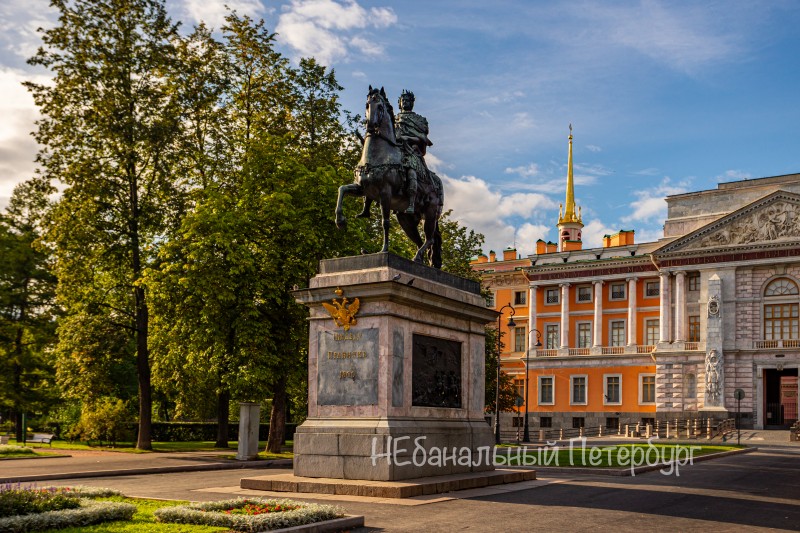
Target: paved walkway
{"x":76,"y":464}
{"x":748,"y":492}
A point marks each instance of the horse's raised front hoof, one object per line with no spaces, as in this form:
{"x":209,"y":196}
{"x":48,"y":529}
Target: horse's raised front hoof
{"x":341,"y":222}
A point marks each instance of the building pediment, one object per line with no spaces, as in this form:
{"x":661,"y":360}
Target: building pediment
{"x":771,"y":221}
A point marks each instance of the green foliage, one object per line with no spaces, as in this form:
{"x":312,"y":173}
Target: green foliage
{"x":7,"y":450}
{"x":107,"y":130}
{"x":508,"y":393}
{"x":27,"y":303}
{"x":104,"y":421}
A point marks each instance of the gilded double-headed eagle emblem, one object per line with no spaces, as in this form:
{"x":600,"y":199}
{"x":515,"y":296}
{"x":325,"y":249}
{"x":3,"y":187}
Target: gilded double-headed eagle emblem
{"x":343,"y":314}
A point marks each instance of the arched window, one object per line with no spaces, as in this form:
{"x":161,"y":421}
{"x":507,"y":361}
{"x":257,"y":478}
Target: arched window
{"x":781,"y":287}
{"x":781,"y":313}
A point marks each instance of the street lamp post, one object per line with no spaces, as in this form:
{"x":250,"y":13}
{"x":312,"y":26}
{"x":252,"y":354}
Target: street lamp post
{"x":527,"y":434}
{"x":511,"y":324}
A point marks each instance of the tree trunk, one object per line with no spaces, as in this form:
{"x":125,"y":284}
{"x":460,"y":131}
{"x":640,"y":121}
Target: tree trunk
{"x":19,"y":429}
{"x":144,"y":440}
{"x":223,"y":415}
{"x":277,"y":419}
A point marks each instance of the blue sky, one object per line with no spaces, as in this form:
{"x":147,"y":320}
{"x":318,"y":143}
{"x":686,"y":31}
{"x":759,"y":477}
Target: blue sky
{"x":664,"y":97}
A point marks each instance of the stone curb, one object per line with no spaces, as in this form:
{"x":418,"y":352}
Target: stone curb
{"x":623,"y":472}
{"x":55,"y":456}
{"x":328,"y":526}
{"x":233,"y":465}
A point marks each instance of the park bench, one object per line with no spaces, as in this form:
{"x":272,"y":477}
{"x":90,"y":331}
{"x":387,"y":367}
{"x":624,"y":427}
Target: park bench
{"x":43,"y":438}
{"x":3,"y":439}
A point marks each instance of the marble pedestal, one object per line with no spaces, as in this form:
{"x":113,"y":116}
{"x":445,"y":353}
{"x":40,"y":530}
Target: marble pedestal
{"x":400,"y":394}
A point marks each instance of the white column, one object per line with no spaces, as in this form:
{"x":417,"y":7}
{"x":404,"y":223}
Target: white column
{"x":597,"y":336}
{"x":664,"y":309}
{"x":531,"y":317}
{"x":632,"y":311}
{"x":680,"y":307}
{"x":565,"y":315}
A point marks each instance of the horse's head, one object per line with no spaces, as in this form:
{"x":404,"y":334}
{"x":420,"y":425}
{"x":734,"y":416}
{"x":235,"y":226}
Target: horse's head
{"x":379,"y":113}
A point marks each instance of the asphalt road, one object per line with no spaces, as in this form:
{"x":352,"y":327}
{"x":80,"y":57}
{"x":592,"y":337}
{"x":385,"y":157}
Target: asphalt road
{"x":746,"y":492}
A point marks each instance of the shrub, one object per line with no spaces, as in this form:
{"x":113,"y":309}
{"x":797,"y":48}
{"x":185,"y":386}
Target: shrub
{"x":16,"y":501}
{"x":216,"y":514}
{"x":10,"y":449}
{"x":90,"y":512}
{"x":103,"y":421}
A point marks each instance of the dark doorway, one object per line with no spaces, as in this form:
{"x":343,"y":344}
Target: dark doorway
{"x":780,"y":398}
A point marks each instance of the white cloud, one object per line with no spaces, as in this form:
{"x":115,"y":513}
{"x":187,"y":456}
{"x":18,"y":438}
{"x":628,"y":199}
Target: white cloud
{"x":733,"y":175}
{"x":500,"y":218}
{"x":593,"y":148}
{"x":685,"y":37}
{"x":323,"y":28}
{"x":19,"y":21}
{"x":213,"y":12}
{"x":592,"y":234}
{"x":17,"y":147}
{"x":528,"y":171}
{"x":650,"y":204}
{"x":523,"y":120}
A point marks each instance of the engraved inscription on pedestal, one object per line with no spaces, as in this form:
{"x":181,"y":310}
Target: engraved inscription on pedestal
{"x":347,"y":367}
{"x":436,"y":372}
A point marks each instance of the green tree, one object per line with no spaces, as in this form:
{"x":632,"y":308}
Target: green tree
{"x":27,"y":304}
{"x":508,"y":393}
{"x":107,"y":130}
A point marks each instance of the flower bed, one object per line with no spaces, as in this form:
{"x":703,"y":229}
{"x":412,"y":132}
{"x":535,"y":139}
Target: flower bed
{"x":34,"y":508}
{"x":249,"y":514}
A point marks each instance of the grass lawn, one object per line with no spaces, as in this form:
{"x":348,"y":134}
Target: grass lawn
{"x":129,"y":447}
{"x":142,"y":521}
{"x":19,"y":452}
{"x":618,"y":456}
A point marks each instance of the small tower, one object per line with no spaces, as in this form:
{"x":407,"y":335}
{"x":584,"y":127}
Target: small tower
{"x":569,"y":221}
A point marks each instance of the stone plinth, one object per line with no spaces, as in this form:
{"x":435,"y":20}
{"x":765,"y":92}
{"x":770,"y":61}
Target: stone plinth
{"x":387,"y":489}
{"x":407,"y":377}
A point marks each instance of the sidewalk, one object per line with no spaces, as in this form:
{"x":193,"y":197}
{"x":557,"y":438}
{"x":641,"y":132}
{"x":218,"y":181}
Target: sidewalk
{"x":75,"y":464}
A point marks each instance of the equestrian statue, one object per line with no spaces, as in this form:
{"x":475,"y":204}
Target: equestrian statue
{"x":393,"y":173}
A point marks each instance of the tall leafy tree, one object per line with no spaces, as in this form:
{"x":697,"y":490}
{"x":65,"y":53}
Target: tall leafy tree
{"x":27,"y":304}
{"x":107,"y":129}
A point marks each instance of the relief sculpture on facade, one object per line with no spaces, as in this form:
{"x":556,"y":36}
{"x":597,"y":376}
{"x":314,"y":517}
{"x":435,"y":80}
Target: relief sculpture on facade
{"x":779,"y":221}
{"x":713,"y":373}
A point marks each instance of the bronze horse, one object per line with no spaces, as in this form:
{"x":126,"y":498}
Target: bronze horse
{"x":380,"y":177}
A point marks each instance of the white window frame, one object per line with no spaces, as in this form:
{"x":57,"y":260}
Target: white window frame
{"x":648,"y":282}
{"x":585,"y":389}
{"x":611,"y":291}
{"x":558,"y":335}
{"x":558,"y":296}
{"x":641,"y":389}
{"x":523,"y":297}
{"x":611,"y":331}
{"x":605,"y":389}
{"x":647,"y":325}
{"x":552,"y":389}
{"x":578,"y":292}
{"x":578,"y":333}
{"x":524,"y":338}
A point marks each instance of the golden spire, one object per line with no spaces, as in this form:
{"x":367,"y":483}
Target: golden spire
{"x":569,"y":206}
